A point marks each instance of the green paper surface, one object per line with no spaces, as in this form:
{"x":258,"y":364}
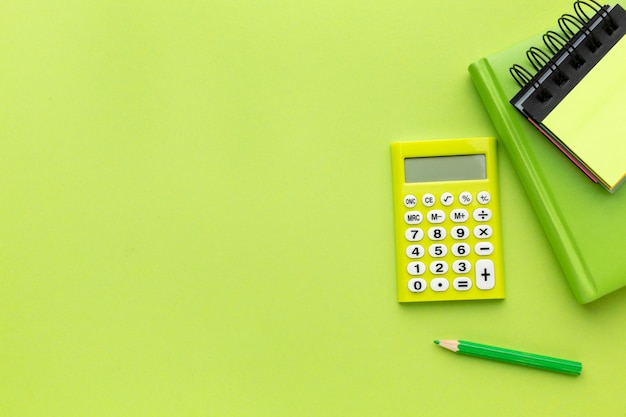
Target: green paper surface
{"x":196,"y":216}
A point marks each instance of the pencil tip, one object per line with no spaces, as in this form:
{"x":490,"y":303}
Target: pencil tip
{"x":436,"y":342}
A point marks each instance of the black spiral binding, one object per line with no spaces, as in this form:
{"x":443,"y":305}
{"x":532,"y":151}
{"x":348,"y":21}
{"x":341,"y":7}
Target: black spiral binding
{"x":584,"y":40}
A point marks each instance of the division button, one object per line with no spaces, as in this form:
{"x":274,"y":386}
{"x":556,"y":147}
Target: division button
{"x":482,"y":214}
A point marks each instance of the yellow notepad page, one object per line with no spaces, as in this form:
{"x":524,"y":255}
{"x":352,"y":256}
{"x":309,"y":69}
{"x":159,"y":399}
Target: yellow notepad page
{"x":590,"y":119}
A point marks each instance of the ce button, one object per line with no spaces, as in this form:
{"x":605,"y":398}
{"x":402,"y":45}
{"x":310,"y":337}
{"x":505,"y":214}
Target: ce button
{"x":417,"y":285}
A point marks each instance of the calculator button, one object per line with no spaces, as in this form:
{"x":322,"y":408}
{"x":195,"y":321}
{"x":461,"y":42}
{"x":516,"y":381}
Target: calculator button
{"x":459,"y":232}
{"x":461,"y":267}
{"x":414,"y":234}
{"x":410,"y":201}
{"x":485,"y":274}
{"x":483,"y":197}
{"x":459,"y":215}
{"x":462,"y":284}
{"x":446,"y":199}
{"x":482,"y":214}
{"x":483,"y":248}
{"x":416,"y":268}
{"x":460,"y":249}
{"x":439,"y":267}
{"x":465,"y":198}
{"x":417,"y":285}
{"x":413,"y":217}
{"x":439,"y":284}
{"x":438,"y":251}
{"x":483,"y":232}
{"x":415,"y":251}
{"x":428,"y":200}
{"x":436,"y":233}
{"x":436,"y":216}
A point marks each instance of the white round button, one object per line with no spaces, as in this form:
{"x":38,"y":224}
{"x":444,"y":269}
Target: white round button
{"x":415,"y":268}
{"x":439,"y":284}
{"x":465,"y":198}
{"x":413,"y":217}
{"x":446,"y":199}
{"x":415,"y":251}
{"x":417,"y":285}
{"x":428,"y":200}
{"x":414,"y":234}
{"x":410,"y":201}
{"x":483,"y":197}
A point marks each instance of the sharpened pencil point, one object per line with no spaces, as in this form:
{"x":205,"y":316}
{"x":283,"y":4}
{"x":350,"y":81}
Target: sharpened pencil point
{"x":436,"y":342}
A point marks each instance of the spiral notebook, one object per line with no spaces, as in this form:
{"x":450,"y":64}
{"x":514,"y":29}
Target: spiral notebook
{"x":578,"y":94}
{"x":585,"y":225}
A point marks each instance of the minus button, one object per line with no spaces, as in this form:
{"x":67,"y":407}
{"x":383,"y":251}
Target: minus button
{"x":483,"y":248}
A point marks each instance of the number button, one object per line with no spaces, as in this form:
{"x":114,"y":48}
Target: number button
{"x":483,"y":232}
{"x":416,"y":268}
{"x":459,"y":232}
{"x":436,"y":216}
{"x":428,"y":200}
{"x":438,"y":251}
{"x":460,"y":249}
{"x":436,"y":233}
{"x":482,"y":215}
{"x":439,"y":267}
{"x":414,"y":234}
{"x":439,"y":284}
{"x":413,"y":217}
{"x":410,"y":201}
{"x":415,"y":251}
{"x":461,"y":267}
{"x":417,"y":285}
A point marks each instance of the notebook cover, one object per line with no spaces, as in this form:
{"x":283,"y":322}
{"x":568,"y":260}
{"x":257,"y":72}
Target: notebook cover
{"x":586,"y":225}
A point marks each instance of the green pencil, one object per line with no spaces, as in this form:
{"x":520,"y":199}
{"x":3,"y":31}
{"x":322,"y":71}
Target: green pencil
{"x":512,"y":356}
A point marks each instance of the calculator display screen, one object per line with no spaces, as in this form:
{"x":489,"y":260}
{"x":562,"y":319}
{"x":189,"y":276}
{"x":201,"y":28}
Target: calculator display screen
{"x":445,"y":168}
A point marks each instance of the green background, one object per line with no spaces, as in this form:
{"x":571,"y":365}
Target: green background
{"x":196,"y":216}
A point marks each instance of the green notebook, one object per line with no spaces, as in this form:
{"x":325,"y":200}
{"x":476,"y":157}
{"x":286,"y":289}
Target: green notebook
{"x":585,"y":225}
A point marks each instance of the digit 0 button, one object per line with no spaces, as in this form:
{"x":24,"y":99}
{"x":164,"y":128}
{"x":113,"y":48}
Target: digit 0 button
{"x":417,"y":285}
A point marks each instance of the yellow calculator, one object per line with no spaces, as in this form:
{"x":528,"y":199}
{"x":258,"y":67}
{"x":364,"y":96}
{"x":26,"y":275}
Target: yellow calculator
{"x":447,"y":220}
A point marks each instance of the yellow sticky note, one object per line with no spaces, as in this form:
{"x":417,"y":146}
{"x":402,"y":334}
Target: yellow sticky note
{"x":590,"y":119}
